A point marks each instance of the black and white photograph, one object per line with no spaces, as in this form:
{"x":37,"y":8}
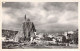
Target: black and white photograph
{"x":40,"y":25}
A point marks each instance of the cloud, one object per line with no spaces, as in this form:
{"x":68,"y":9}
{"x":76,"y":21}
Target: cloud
{"x":47,"y":16}
{"x":67,"y":17}
{"x":7,"y":18}
{"x":17,"y":5}
{"x":61,"y":6}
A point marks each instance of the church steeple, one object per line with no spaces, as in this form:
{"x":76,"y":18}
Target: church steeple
{"x":25,"y":17}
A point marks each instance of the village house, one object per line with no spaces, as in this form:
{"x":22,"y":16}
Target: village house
{"x":8,"y":35}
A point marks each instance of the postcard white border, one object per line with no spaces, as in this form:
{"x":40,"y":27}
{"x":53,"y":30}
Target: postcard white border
{"x":39,"y":1}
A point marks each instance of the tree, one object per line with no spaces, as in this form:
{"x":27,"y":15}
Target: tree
{"x":63,"y":39}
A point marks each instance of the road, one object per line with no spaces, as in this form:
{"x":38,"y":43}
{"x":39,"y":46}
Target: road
{"x":35,"y":46}
{"x":46,"y":47}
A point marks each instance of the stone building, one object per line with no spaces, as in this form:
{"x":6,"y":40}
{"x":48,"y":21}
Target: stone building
{"x":28,"y":29}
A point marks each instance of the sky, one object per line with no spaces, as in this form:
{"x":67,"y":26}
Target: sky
{"x":47,"y":17}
